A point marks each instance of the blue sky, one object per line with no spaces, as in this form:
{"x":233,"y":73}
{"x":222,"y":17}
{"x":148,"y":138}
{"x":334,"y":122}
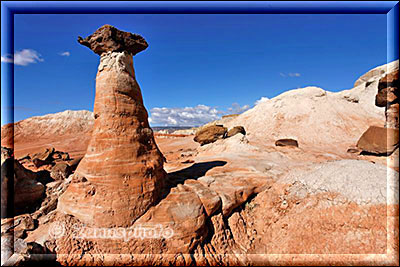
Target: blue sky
{"x":197,"y":67}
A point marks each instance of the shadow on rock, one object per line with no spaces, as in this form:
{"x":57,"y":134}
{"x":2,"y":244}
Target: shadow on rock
{"x":193,"y":172}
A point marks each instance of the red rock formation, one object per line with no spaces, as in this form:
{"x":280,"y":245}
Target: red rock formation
{"x":388,"y":97}
{"x":19,"y":183}
{"x":121,"y":175}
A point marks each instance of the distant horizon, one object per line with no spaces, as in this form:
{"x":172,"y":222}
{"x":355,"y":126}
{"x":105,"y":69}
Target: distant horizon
{"x":198,"y":125}
{"x":197,"y":67}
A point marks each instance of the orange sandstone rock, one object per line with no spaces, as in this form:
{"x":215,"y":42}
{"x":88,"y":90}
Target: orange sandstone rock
{"x":121,"y":174}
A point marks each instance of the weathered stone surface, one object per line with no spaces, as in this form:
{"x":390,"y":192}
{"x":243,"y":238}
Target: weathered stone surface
{"x":121,"y":174}
{"x":354,"y":149}
{"x":59,"y":155}
{"x":27,"y":191}
{"x":388,"y":89}
{"x":377,"y":73}
{"x":210,"y":134}
{"x":387,"y":96}
{"x":211,"y":201}
{"x":183,"y":212}
{"x":22,"y":224}
{"x":22,"y":253}
{"x":287,"y":142}
{"x":19,"y":185}
{"x":109,"y":39}
{"x":379,"y":140}
{"x":392,"y":116}
{"x":60,"y":171}
{"x":46,"y":155}
{"x":74,"y":163}
{"x":39,"y":163}
{"x":233,"y":191}
{"x":178,"y":222}
{"x":53,"y":191}
{"x":43,"y":158}
{"x":236,"y":130}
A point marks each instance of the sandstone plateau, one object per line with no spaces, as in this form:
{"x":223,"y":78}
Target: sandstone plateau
{"x":239,"y":199}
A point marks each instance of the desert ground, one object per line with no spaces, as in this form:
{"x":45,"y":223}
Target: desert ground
{"x":307,"y":177}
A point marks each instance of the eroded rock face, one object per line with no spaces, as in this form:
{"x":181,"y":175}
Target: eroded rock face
{"x":43,"y":158}
{"x":27,"y":190}
{"x":60,"y":171}
{"x":18,"y":184}
{"x":74,"y":163}
{"x":121,"y":174}
{"x":387,"y":97}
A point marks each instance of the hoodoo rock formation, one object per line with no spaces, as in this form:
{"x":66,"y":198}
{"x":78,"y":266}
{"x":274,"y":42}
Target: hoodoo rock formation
{"x":245,"y":200}
{"x":121,"y":174}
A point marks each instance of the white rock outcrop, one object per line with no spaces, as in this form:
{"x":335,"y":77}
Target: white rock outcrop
{"x":314,"y":116}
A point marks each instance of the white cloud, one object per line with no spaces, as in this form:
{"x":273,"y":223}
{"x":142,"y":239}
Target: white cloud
{"x":187,"y":116}
{"x":191,"y":116}
{"x":290,"y":74}
{"x":65,"y":54}
{"x":261,"y":100}
{"x":23,"y":57}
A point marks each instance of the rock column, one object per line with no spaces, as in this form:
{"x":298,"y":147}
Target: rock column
{"x":122,"y":174}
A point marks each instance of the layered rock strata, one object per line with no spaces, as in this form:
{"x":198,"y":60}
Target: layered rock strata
{"x":121,"y":174}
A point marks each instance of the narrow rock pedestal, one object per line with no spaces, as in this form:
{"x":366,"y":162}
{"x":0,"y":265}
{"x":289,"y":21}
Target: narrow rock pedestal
{"x":121,"y":174}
